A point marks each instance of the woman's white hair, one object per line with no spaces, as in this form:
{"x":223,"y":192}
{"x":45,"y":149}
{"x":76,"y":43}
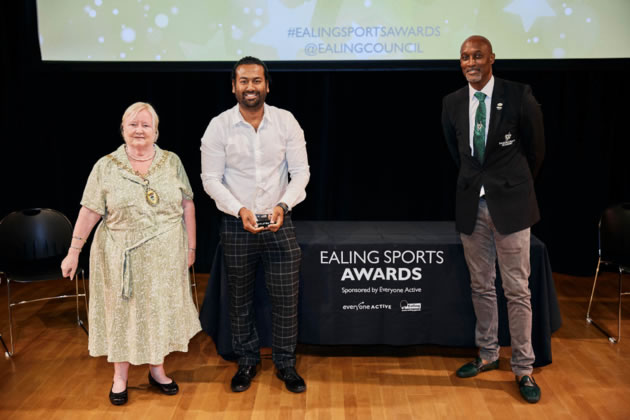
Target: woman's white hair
{"x":134,"y":109}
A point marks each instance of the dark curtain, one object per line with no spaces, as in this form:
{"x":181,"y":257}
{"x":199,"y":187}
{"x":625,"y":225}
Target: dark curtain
{"x":374,"y":138}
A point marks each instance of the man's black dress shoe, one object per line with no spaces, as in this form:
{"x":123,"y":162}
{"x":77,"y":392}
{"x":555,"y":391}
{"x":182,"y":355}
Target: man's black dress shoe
{"x":292,"y":380}
{"x":118,"y":398}
{"x":168,"y":389}
{"x":242,"y":379}
{"x":475,"y":367}
{"x":529,"y":389}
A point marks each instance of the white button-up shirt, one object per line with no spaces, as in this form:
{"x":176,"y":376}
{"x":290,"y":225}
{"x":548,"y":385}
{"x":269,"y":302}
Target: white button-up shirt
{"x":242,"y":167}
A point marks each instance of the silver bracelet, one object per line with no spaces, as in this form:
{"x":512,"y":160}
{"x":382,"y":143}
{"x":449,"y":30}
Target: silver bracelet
{"x":74,"y":247}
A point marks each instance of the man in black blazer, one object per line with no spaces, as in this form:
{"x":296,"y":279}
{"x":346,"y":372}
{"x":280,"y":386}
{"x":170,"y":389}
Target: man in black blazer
{"x":494,"y":130}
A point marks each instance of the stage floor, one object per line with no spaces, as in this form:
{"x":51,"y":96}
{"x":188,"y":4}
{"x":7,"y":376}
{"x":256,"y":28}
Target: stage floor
{"x":52,"y":375}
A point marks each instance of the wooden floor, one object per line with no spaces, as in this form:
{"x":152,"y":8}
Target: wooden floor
{"x":51,"y":375}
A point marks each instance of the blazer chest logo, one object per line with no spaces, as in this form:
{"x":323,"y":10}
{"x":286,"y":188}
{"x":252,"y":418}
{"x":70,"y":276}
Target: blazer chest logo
{"x":508,"y":140}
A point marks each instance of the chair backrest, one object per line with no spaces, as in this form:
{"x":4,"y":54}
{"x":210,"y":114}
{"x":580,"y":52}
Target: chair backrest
{"x":33,"y":239}
{"x":614,"y":234}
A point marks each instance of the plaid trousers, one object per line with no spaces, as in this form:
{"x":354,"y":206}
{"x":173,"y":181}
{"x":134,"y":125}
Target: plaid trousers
{"x":281,"y":255}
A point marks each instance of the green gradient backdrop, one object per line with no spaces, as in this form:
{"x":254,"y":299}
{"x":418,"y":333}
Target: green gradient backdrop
{"x":196,"y":30}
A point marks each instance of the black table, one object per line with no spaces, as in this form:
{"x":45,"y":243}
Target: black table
{"x":394,"y":283}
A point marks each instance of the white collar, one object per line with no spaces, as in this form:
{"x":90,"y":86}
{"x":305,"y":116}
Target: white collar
{"x":237,"y":117}
{"x":487,"y":89}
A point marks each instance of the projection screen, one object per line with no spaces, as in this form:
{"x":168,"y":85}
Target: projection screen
{"x":327,"y":30}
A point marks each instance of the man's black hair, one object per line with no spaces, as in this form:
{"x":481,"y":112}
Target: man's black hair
{"x":251,"y":60}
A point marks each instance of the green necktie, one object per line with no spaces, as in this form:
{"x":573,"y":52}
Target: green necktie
{"x":479,"y":136}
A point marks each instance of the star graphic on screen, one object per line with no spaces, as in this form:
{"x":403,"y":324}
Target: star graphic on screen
{"x":277,"y":32}
{"x":529,"y":11}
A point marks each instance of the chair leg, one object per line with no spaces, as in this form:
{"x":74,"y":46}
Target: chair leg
{"x":590,"y":302}
{"x":12,"y":352}
{"x":619,"y":311}
{"x":76,"y":284}
{"x":6,"y":349}
{"x":85,"y":294}
{"x":194,"y":286}
{"x":10,"y":309}
{"x":76,"y":295}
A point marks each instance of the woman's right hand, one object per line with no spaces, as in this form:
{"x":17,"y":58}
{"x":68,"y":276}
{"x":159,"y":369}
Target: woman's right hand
{"x":69,"y":264}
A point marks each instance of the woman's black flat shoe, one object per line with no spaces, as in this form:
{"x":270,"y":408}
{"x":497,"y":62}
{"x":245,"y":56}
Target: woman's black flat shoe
{"x":118,"y":398}
{"x":168,"y":389}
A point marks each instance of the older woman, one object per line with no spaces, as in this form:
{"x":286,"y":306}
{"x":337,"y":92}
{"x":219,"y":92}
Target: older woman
{"x":141,"y":306}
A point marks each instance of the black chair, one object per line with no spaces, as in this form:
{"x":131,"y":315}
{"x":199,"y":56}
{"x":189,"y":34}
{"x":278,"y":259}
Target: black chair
{"x":33,"y":243}
{"x":614,"y":249}
{"x":6,"y":349}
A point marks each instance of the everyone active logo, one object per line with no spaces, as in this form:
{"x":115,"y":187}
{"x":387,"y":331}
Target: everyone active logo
{"x":362,"y":306}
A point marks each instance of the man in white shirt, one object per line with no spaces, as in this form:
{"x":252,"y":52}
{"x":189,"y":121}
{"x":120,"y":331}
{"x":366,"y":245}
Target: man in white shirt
{"x":247,"y":155}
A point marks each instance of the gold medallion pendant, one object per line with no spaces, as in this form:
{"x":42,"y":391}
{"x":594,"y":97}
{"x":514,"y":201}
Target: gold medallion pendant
{"x":152,"y":197}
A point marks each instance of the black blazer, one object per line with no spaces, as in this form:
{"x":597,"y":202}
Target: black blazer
{"x":515,"y":148}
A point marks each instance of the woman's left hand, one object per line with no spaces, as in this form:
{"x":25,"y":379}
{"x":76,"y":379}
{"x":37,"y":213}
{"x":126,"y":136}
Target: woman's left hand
{"x":191,"y":257}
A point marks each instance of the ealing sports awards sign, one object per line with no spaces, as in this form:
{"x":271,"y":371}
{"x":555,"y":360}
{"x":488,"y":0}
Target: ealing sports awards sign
{"x":380,"y":279}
